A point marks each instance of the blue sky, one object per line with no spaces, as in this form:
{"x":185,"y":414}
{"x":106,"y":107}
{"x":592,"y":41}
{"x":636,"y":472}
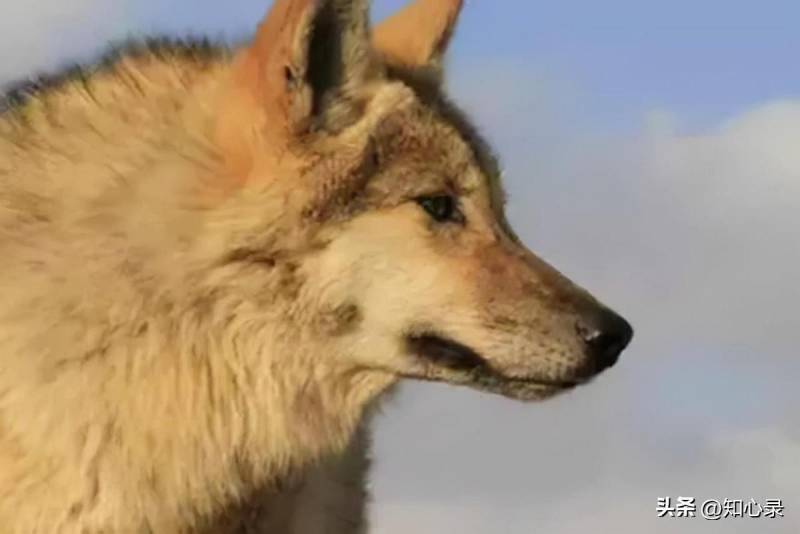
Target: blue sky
{"x":651,"y":153}
{"x":702,"y":59}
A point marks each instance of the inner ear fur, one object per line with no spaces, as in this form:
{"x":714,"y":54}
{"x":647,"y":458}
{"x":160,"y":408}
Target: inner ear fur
{"x":416,"y":38}
{"x":307,"y":55}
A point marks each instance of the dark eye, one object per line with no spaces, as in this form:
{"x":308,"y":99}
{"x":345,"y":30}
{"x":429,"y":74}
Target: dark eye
{"x":442,"y":208}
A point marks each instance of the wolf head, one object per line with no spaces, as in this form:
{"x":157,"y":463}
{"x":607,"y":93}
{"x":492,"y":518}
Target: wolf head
{"x":383,"y":209}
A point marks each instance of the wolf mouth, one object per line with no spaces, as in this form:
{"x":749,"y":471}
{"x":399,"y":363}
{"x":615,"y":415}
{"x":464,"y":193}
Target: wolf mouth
{"x":470,"y":366}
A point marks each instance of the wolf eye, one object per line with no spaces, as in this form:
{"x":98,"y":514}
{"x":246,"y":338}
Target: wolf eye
{"x":442,"y":208}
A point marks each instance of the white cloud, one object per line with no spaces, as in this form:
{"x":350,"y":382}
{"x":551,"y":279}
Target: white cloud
{"x":722,"y":209}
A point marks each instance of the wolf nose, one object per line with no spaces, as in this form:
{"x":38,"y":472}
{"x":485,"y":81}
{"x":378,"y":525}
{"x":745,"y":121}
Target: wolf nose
{"x":606,"y":335}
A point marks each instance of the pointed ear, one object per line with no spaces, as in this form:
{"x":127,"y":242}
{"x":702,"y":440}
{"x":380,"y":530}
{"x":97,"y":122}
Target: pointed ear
{"x":305,"y":54}
{"x":417,"y":37}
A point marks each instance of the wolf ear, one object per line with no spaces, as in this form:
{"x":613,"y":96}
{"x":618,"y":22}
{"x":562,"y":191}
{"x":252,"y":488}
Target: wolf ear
{"x":417,"y":36}
{"x":305,"y":54}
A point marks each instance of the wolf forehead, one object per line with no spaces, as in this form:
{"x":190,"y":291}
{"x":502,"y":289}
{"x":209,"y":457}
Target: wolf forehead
{"x":454,"y":118}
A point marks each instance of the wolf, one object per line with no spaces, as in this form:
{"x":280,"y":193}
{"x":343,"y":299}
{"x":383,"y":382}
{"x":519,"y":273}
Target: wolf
{"x":217,"y":261}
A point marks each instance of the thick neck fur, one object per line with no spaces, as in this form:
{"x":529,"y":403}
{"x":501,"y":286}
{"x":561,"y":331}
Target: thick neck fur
{"x":105,"y":284}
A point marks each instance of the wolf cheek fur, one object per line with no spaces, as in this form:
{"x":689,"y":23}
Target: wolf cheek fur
{"x":215,"y":263}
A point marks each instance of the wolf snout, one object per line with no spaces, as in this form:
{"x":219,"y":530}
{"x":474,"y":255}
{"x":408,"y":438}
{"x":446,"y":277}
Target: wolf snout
{"x":605,"y":335}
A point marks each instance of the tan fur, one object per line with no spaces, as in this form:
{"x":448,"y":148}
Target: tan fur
{"x":418,"y":35}
{"x":212,"y":263}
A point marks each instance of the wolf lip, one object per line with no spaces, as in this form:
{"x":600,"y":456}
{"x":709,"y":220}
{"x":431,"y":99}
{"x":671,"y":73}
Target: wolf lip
{"x":454,"y":356}
{"x":446,"y":352}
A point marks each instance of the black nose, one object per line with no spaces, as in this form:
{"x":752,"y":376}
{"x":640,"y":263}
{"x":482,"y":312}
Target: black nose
{"x":606,"y":335}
